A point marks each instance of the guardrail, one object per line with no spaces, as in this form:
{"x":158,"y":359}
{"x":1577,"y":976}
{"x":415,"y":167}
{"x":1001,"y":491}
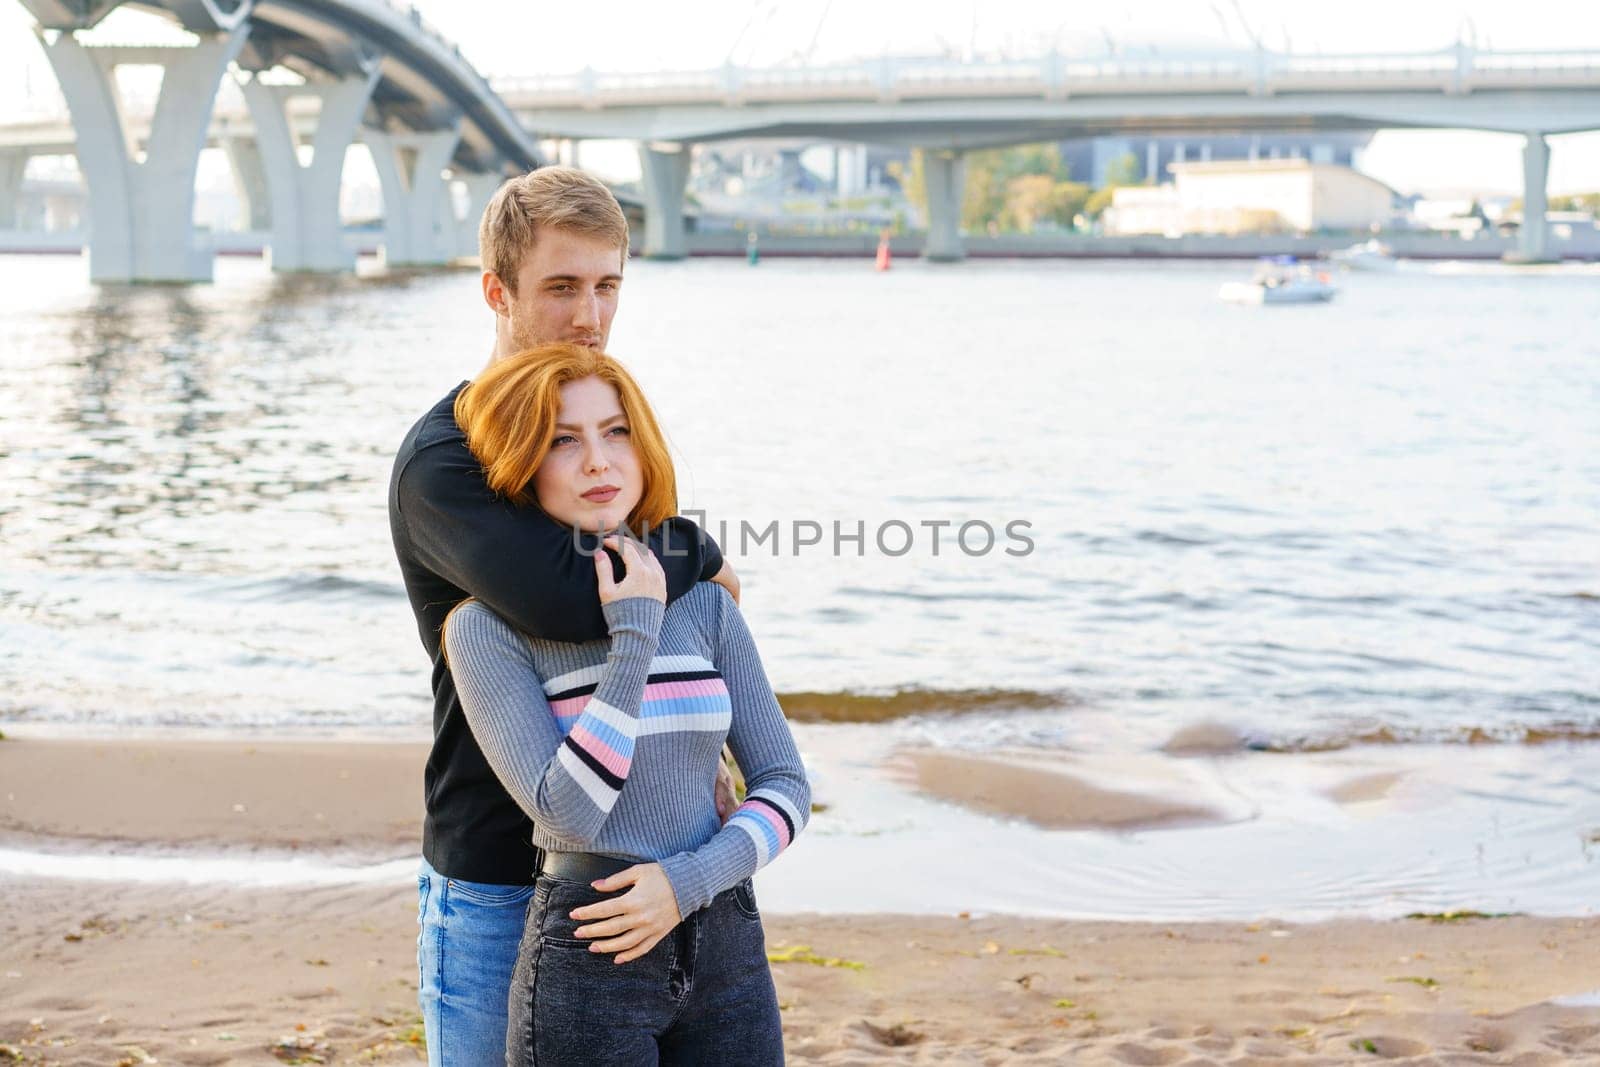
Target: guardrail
{"x":1461,"y":69}
{"x":1458,"y":69}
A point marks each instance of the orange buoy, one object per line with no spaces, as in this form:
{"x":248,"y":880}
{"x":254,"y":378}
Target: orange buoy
{"x":883,"y":252}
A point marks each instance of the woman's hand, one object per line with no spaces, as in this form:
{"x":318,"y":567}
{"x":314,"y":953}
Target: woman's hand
{"x":633,"y":923}
{"x":643,"y":577}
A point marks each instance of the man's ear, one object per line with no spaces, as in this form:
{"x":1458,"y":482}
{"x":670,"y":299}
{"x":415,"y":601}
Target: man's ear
{"x":495,"y":293}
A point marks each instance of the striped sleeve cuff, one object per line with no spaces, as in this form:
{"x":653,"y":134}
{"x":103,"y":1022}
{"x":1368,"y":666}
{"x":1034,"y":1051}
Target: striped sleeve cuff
{"x":771,"y":821}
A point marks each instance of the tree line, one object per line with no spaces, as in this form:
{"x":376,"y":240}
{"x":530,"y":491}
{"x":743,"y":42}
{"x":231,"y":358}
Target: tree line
{"x":1021,"y":189}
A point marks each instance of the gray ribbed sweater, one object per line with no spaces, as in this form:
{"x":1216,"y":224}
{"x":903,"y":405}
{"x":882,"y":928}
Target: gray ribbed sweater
{"x":612,"y":746}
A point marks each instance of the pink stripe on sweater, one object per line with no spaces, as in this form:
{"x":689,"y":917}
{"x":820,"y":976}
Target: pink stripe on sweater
{"x":571,"y":707}
{"x":703,"y":687}
{"x":609,"y":758}
{"x":764,"y":810}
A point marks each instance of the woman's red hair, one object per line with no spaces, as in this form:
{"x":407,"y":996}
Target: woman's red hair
{"x":509,"y":414}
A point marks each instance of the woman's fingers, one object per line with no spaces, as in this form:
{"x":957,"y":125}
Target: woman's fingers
{"x":609,"y":928}
{"x":643,"y":948}
{"x":600,"y":909}
{"x":643,"y":575}
{"x":621,"y":944}
{"x":602,"y":574}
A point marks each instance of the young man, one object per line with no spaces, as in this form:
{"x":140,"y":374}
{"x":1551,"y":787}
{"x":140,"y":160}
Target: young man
{"x":553,"y":243}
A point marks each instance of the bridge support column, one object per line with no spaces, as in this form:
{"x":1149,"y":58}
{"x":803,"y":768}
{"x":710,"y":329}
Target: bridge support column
{"x":665,"y":173}
{"x":13,"y":163}
{"x":306,"y":231}
{"x":1533,"y":238}
{"x":419,"y":228}
{"x":480,"y":190}
{"x":141,"y":205}
{"x":944,"y":176}
{"x":249,"y":181}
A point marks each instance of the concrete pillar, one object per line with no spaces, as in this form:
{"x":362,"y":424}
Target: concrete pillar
{"x":665,"y":173}
{"x":1152,"y":163}
{"x":1255,"y":147}
{"x":250,"y":182}
{"x":307,"y":234}
{"x":853,"y":172}
{"x":1205,"y":152}
{"x":13,"y":163}
{"x":944,"y":175}
{"x":418,"y":220}
{"x":1533,"y":239}
{"x":141,"y":212}
{"x":480,"y":189}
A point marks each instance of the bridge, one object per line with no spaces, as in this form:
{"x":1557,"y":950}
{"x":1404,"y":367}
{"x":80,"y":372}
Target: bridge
{"x":366,"y":70}
{"x":947,"y":107}
{"x":320,"y":73}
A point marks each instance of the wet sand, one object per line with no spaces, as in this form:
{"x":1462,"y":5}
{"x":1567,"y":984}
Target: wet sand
{"x":116,"y":972}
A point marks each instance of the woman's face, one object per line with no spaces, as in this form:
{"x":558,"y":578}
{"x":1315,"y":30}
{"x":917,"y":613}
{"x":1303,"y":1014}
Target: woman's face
{"x":590,"y":479}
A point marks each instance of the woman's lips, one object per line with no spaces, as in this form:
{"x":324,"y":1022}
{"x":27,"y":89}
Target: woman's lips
{"x":601,"y":496}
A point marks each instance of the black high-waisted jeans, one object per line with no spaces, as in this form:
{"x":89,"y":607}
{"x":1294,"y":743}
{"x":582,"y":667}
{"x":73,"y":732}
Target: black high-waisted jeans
{"x":702,"y":995}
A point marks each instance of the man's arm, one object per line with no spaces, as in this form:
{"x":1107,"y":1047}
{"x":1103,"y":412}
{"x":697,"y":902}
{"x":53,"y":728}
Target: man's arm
{"x":517,"y":560}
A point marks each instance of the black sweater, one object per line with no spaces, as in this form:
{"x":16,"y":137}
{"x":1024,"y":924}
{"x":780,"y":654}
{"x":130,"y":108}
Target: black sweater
{"x":455,"y":538}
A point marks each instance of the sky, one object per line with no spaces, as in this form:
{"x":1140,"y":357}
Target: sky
{"x":643,"y":35}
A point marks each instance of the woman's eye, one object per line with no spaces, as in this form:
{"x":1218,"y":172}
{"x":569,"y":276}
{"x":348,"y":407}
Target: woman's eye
{"x":621,"y":430}
{"x":564,"y":439}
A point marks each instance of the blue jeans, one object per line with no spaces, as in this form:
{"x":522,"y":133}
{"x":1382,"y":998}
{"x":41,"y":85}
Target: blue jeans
{"x":702,"y":995}
{"x":465,"y":956}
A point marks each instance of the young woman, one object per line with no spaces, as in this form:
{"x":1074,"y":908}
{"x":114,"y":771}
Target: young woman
{"x":643,"y":944}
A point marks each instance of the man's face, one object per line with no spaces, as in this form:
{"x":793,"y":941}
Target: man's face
{"x":566,"y":291}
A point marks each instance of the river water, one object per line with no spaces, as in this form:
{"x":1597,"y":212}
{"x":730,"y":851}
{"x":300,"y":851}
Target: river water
{"x":1325,"y":527}
{"x":1374,"y":520}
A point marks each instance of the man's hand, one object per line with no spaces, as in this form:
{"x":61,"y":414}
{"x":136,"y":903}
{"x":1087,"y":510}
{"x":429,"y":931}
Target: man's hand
{"x":727,"y":799}
{"x":728,"y":580}
{"x":633,"y":923}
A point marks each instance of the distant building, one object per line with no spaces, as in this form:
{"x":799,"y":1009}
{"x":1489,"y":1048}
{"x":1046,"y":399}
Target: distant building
{"x":1462,"y":215}
{"x":1090,"y":158}
{"x":1145,"y":209}
{"x":1266,"y":196}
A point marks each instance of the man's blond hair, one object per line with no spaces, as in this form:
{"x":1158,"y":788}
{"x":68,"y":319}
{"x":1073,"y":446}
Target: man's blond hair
{"x":562,"y":198}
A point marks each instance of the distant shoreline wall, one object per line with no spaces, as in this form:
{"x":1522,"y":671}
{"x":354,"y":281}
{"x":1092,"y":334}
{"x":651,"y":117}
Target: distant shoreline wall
{"x":1037,"y":246}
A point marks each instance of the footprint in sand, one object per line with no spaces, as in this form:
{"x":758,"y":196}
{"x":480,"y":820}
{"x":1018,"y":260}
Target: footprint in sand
{"x":1213,"y":1043}
{"x":1490,"y":1040}
{"x":1572,"y":1039}
{"x":1145,"y":1056}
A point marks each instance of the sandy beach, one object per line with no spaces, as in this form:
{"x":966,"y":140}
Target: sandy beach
{"x":101,"y":971}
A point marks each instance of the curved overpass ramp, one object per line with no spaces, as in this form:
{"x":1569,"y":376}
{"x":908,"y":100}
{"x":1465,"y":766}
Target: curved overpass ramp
{"x":378,"y":74}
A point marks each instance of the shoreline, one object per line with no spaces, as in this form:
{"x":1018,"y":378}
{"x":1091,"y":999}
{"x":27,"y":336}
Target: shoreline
{"x":1422,"y":247}
{"x":1131,"y":836}
{"x":222,"y":970}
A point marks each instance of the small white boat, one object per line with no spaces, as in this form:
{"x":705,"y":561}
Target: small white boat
{"x":1371,"y":255}
{"x":1281,"y":281}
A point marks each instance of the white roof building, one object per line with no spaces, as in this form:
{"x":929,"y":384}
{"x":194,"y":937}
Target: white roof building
{"x":1253,"y":196}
